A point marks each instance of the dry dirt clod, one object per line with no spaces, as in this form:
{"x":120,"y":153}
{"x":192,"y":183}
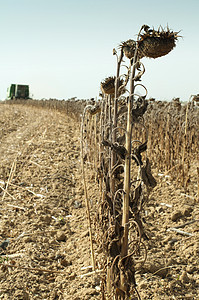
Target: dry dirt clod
{"x":191,"y":269}
{"x":61,"y":236}
{"x":171,"y":262}
{"x":176,"y":215}
{"x":187,"y":211}
{"x":156,"y":269}
{"x":184,"y":278}
{"x":64,"y":262}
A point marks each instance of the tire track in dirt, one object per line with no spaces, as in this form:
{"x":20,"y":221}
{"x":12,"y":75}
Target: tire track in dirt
{"x":42,"y":209}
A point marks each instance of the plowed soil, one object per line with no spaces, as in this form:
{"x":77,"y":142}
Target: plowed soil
{"x":43,"y":226}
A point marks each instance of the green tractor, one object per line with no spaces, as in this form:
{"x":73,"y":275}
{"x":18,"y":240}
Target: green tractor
{"x":18,"y":91}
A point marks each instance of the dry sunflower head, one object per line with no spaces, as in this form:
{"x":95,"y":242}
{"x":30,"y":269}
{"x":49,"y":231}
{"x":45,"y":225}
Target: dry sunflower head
{"x":156,"y":43}
{"x":128,"y":48}
{"x":108,"y":85}
{"x":196,"y":98}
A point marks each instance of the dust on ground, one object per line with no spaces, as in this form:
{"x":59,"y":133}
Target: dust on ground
{"x":43,"y":216}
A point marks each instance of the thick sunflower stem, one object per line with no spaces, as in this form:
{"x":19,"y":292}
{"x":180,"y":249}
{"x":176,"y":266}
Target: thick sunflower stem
{"x":115,"y":122}
{"x":127,"y":173}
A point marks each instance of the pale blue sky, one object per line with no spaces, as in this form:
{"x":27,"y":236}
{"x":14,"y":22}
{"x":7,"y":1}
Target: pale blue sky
{"x":63,"y":48}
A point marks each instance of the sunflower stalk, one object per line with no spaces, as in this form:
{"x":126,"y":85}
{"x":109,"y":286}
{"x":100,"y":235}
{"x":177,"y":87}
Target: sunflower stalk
{"x":127,"y":169}
{"x":115,"y":120}
{"x":113,"y":125}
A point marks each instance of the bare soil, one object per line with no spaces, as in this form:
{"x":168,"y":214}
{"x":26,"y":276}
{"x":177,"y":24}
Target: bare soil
{"x":43,"y":216}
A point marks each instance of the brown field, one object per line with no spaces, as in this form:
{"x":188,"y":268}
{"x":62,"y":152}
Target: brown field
{"x":43,"y":213}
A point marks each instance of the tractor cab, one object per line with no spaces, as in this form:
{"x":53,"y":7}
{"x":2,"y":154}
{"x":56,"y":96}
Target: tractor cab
{"x":18,"y":91}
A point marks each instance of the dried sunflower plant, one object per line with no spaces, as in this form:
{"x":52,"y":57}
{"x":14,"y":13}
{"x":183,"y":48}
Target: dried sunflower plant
{"x":121,"y":164}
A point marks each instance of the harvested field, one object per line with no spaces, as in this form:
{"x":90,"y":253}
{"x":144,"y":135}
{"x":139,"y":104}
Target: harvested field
{"x":43,"y":214}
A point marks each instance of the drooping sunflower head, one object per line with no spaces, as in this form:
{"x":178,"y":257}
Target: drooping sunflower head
{"x":156,"y":43}
{"x":128,"y":48}
{"x":108,"y":85}
{"x":196,"y":98}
